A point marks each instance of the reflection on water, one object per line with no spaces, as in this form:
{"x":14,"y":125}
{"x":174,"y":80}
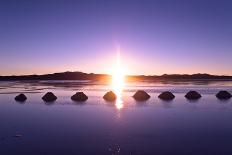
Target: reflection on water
{"x":128,"y":127}
{"x":118,"y":87}
{"x":119,"y":102}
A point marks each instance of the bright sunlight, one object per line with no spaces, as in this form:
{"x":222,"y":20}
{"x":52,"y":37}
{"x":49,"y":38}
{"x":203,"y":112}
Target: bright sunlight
{"x":118,"y":81}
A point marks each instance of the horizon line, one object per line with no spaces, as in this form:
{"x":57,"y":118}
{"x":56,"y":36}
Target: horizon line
{"x":111,"y":75}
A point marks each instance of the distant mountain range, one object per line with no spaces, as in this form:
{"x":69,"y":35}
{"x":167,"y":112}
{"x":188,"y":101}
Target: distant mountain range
{"x":92,"y":76}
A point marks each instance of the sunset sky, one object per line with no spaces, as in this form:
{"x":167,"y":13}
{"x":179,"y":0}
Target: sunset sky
{"x":154,"y":37}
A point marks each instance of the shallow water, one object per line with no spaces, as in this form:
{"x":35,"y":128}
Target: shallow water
{"x":98,"y":127}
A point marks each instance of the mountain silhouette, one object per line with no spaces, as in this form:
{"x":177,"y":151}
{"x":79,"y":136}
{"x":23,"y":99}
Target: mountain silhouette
{"x":92,"y":76}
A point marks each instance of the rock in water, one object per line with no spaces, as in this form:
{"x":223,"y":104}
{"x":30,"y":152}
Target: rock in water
{"x":110,"y":96}
{"x":79,"y":96}
{"x":193,"y":95}
{"x":49,"y":97}
{"x":141,"y":95}
{"x":223,"y":95}
{"x":166,"y":96}
{"x":21,"y":98}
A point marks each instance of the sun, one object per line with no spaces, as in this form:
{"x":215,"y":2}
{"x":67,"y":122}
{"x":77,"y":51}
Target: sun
{"x":118,"y":80}
{"x":118,"y":77}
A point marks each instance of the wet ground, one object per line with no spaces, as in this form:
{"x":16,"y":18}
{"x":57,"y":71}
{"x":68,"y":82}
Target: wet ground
{"x":99,"y":127}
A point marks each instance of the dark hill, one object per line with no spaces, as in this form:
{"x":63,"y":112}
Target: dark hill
{"x":92,"y":76}
{"x":58,"y":76}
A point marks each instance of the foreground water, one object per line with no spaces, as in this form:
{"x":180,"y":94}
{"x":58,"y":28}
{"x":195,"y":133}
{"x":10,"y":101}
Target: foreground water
{"x":97,"y":127}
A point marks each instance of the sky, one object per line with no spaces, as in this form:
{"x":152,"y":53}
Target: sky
{"x":154,"y":37}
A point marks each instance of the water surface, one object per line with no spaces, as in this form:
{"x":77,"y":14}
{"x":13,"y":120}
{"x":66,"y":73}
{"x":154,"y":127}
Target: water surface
{"x":99,"y":127}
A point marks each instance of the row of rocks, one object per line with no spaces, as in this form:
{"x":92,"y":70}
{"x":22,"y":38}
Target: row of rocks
{"x":140,"y":95}
{"x":50,"y":97}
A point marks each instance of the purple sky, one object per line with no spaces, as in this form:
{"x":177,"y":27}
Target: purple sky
{"x":155,"y":37}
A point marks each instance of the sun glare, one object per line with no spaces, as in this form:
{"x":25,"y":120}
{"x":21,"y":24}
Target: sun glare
{"x":118,"y":81}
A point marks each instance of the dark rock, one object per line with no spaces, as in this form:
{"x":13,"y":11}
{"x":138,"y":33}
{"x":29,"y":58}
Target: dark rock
{"x":110,"y":96}
{"x":21,"y":98}
{"x":49,"y":97}
{"x":79,"y":96}
{"x":223,"y":95}
{"x":193,"y":95}
{"x":166,"y":95}
{"x":141,"y":95}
